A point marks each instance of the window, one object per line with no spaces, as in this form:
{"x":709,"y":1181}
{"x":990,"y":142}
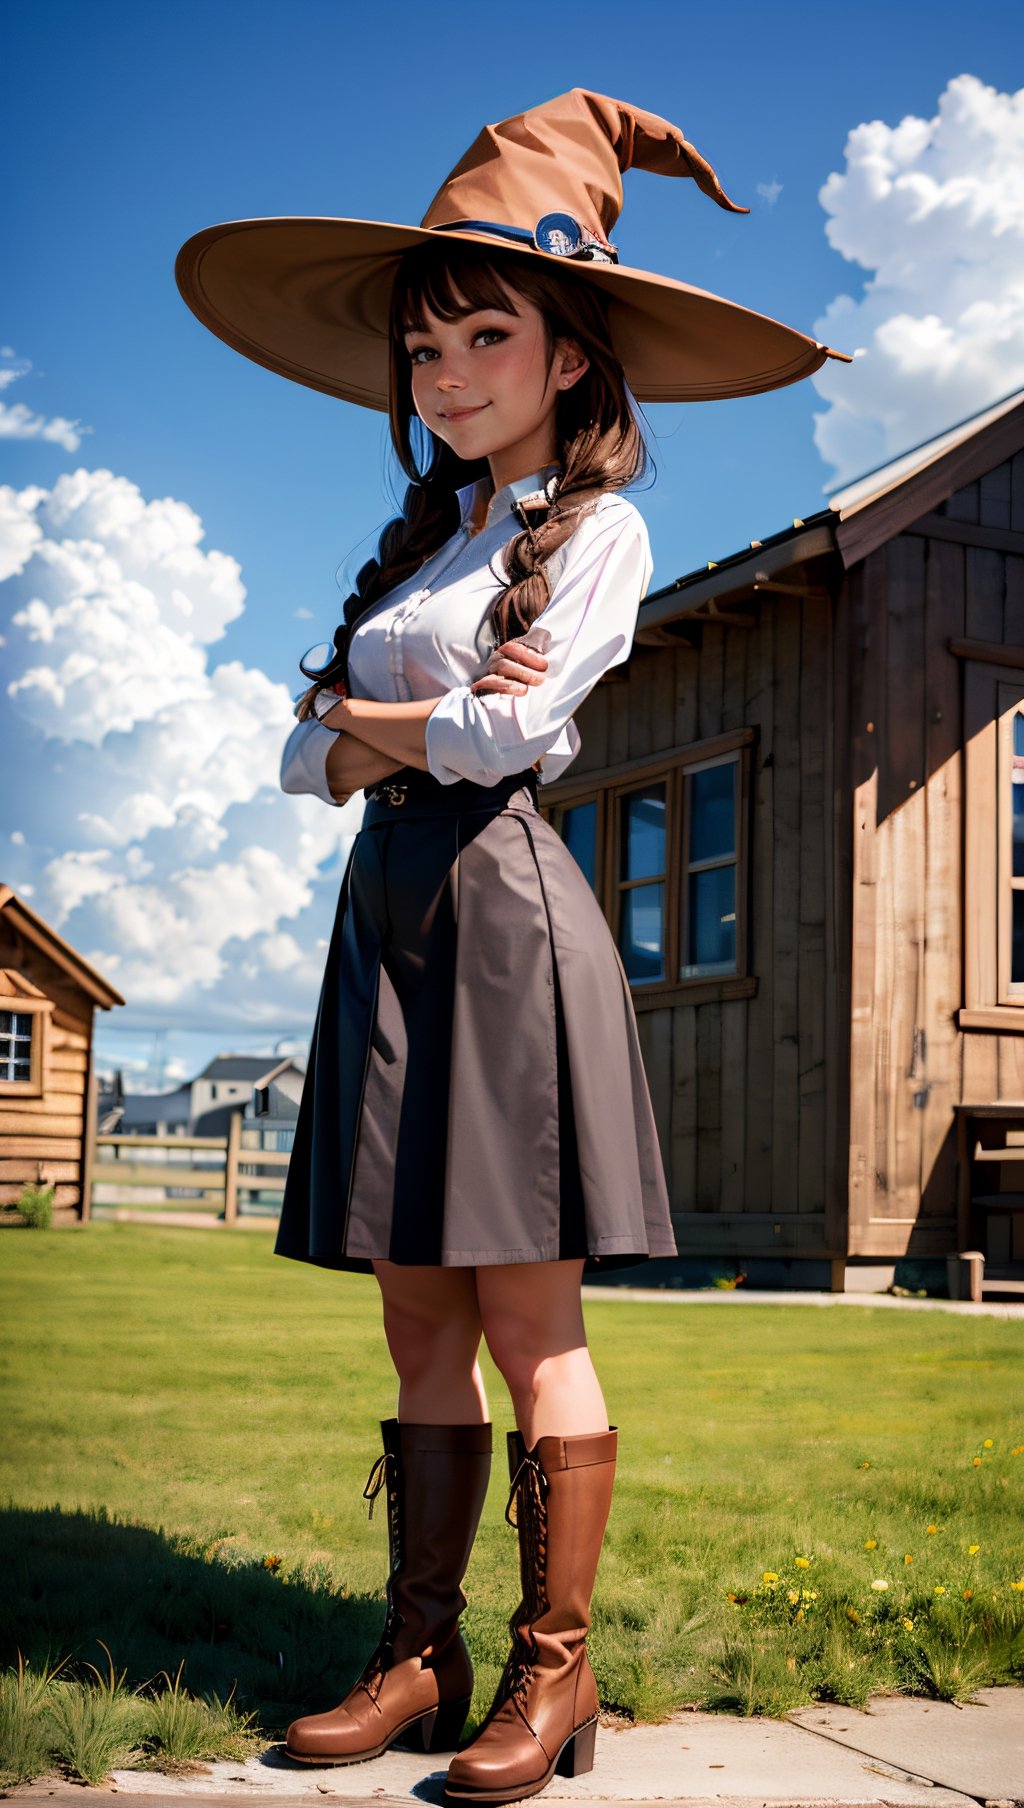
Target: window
{"x":662,"y":844}
{"x":15,"y":1045}
{"x":23,"y":1033}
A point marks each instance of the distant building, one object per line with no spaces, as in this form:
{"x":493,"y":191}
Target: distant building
{"x":48,"y":996}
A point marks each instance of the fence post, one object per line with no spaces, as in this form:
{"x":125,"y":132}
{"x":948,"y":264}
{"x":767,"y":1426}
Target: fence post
{"x":231,"y":1168}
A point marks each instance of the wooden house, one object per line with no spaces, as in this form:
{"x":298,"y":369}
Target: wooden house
{"x":801,"y":805}
{"x":47,"y":1086}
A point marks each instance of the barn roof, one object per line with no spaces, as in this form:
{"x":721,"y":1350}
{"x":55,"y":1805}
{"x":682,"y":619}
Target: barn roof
{"x":860,"y":517}
{"x":257,"y":1068}
{"x":60,"y":952}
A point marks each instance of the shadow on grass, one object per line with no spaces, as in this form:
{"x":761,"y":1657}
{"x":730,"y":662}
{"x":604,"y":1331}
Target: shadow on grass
{"x":284,"y":1644}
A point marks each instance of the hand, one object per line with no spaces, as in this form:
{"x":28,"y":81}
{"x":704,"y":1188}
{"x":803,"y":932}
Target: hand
{"x":513,"y":668}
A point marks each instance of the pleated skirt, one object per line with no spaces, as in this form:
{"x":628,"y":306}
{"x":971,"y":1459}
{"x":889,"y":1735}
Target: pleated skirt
{"x":475,"y":1092}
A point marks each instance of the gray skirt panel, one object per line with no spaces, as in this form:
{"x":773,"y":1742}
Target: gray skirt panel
{"x":475,"y":1091}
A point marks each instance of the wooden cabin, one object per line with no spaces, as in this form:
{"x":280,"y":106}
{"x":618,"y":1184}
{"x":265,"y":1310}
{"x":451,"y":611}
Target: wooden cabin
{"x":47,"y":1084}
{"x":801,"y":805}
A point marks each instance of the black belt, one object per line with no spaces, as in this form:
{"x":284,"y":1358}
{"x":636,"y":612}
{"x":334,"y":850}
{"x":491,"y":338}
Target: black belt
{"x":412,"y":792}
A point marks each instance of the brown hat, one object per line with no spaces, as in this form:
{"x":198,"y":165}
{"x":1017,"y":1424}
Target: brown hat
{"x":310,"y":298}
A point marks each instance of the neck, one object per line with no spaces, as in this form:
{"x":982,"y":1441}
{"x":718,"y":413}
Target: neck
{"x":528,"y":456}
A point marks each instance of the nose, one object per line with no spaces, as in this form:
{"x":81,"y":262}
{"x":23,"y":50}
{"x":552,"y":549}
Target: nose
{"x":445,"y":373}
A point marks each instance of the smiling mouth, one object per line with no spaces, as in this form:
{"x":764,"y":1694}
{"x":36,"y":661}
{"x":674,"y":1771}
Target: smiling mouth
{"x":462,"y":414}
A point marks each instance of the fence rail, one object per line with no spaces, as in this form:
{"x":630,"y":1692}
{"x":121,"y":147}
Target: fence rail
{"x":213,"y":1172}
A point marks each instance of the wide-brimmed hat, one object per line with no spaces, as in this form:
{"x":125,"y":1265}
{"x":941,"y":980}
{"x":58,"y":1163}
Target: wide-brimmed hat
{"x":309,"y":297}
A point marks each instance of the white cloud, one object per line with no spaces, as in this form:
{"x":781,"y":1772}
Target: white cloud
{"x":770,"y":191}
{"x":149,"y":818}
{"x":19,"y":422}
{"x":934,"y":210}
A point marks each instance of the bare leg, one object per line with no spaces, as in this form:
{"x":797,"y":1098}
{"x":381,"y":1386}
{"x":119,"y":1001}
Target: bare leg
{"x":532,"y":1319}
{"x":432,"y":1324}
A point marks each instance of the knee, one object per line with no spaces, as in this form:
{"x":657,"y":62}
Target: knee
{"x":519,"y":1346}
{"x":420,"y":1341}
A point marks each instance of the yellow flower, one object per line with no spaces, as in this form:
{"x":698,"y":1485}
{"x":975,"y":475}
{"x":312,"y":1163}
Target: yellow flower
{"x":865,"y":1465}
{"x":799,"y":1614}
{"x":968,"y":1594}
{"x":930,"y":1529}
{"x":908,"y":1558}
{"x":852,"y":1614}
{"x":976,"y":1462}
{"x":1018,"y":1450}
{"x":810,"y":1594}
{"x":802,"y":1562}
{"x":939,"y":1589}
{"x":271,"y":1562}
{"x":909,"y":1624}
{"x":1018,"y":1586}
{"x":972,"y":1549}
{"x":769,"y":1575}
{"x":793,"y":1594}
{"x":987,"y":1445}
{"x":879,"y":1583}
{"x":871,"y":1544}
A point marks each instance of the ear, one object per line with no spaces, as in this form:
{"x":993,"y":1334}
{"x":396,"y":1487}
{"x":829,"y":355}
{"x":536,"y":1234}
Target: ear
{"x":571,"y":363}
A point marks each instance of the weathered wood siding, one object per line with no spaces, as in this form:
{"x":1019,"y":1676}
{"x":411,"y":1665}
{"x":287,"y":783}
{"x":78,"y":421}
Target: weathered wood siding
{"x":41,"y":1139}
{"x":898,"y":611}
{"x":743,"y":1093}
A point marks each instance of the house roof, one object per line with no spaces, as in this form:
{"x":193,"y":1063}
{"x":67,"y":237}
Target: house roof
{"x":60,"y":952}
{"x":156,"y":1107}
{"x":257,"y":1068}
{"x":860,"y":517}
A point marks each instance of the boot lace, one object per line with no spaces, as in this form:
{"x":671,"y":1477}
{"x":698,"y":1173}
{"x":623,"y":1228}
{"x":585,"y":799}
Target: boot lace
{"x":528,"y":1494}
{"x":384,"y":1473}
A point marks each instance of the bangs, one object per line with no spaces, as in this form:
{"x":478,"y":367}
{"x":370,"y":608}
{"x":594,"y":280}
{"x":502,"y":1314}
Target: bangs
{"x":449,"y":283}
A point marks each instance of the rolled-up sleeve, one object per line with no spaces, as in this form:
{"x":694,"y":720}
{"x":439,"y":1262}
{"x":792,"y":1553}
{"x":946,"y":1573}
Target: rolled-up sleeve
{"x":304,"y":760}
{"x":586,"y":627}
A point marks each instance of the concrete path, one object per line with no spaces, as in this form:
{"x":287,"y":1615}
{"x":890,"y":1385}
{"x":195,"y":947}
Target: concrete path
{"x":907,"y":1753}
{"x":799,"y":1296}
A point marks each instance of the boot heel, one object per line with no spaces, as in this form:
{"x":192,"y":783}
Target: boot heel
{"x":442,"y":1730}
{"x":577,"y":1754}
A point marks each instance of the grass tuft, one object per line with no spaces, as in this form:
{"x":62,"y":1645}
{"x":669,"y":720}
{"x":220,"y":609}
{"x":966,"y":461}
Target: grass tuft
{"x":94,"y":1726}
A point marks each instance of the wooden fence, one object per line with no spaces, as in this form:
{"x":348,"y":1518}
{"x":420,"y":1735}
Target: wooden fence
{"x":218,"y":1170}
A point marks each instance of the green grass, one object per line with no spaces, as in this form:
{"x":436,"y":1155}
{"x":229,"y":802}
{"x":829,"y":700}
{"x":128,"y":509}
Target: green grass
{"x":189,"y":1421}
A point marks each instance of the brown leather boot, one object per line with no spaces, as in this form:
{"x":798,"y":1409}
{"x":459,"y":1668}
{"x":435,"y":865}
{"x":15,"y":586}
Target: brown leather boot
{"x":419,"y":1679}
{"x":544,"y":1715}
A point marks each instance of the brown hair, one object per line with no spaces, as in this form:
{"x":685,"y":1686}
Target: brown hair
{"x":599,"y":443}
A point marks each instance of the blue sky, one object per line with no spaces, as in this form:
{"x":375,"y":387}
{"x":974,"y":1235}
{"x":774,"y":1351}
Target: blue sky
{"x":130,"y":126}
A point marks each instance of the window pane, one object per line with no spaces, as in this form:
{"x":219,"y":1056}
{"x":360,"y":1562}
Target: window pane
{"x":579,"y":832}
{"x":643,"y":833}
{"x":712,"y":925}
{"x":642,"y":933}
{"x":1017,"y":961}
{"x":713,"y":812}
{"x":21,"y":1070}
{"x":1017,"y":777}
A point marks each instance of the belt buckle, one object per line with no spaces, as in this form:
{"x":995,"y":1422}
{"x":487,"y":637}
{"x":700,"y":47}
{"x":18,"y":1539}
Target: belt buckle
{"x":387,"y":793}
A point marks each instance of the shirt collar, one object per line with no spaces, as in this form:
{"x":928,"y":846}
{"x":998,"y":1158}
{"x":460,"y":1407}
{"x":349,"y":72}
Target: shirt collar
{"x":501,"y":502}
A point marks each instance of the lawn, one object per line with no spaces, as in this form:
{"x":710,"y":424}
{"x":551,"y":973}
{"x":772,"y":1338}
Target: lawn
{"x":189,"y":1421}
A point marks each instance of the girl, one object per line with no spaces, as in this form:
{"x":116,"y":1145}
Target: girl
{"x":475,"y":1126}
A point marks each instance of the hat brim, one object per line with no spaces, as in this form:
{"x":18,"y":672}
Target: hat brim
{"x":309,"y":298}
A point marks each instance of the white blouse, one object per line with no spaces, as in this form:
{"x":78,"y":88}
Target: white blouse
{"x":429,"y":637}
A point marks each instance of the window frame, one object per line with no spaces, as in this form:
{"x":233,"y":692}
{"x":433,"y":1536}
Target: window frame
{"x":606,"y":787}
{"x":39,"y":1009}
{"x":992,"y":696}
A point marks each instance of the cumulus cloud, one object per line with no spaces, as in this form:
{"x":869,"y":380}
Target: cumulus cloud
{"x":934,"y":210}
{"x":146,"y":819}
{"x":19,"y":422}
